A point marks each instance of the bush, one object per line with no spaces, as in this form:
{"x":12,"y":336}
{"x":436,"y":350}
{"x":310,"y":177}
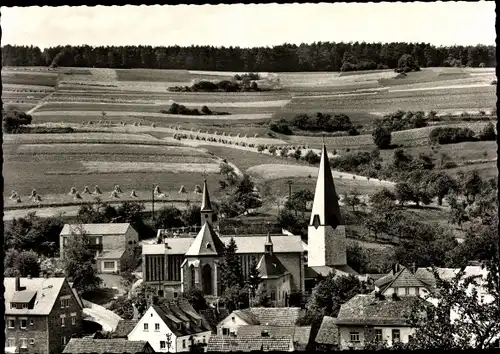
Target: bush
{"x":451,"y":135}
{"x":382,"y":137}
{"x":260,"y":148}
{"x":13,"y":118}
{"x":312,"y":158}
{"x":324,"y":122}
{"x":281,"y":127}
{"x":488,"y":133}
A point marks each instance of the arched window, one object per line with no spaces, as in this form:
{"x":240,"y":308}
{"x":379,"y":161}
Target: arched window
{"x":193,"y":276}
{"x":206,"y":276}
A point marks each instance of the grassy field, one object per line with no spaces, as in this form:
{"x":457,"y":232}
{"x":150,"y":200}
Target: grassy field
{"x":136,"y":157}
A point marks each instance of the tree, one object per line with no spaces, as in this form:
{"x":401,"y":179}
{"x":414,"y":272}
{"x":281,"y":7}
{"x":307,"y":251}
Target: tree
{"x":123,"y":307}
{"x":246,"y":195}
{"x":79,"y":262}
{"x":231,"y":273}
{"x":145,"y":296}
{"x":168,"y":217}
{"x":312,"y":158}
{"x":402,"y":160}
{"x":254,"y":278}
{"x":470,"y":184}
{"x":206,"y":110}
{"x":284,"y":152}
{"x":488,"y":132}
{"x":404,"y":193}
{"x":21,"y":264}
{"x":407,"y":63}
{"x":13,"y":118}
{"x":229,"y":174}
{"x":382,"y":137}
{"x":297,"y":153}
{"x":296,"y":224}
{"x":327,"y":297}
{"x":299,"y":200}
{"x":383,"y":199}
{"x":442,"y":184}
{"x":353,"y":199}
{"x":195,"y":297}
{"x":476,"y":323}
{"x":191,"y":216}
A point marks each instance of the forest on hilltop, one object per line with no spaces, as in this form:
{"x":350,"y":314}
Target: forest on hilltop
{"x":320,"y":56}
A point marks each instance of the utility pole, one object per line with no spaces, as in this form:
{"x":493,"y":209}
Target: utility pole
{"x":153,"y":203}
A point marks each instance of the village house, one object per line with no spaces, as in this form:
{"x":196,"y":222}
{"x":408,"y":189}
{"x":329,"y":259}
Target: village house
{"x":265,"y":316}
{"x":41,"y":315}
{"x":402,"y":282}
{"x":114,"y":245}
{"x":371,"y":319}
{"x":124,"y":328}
{"x":172,"y":327}
{"x":106,"y":346}
{"x":182,"y":263}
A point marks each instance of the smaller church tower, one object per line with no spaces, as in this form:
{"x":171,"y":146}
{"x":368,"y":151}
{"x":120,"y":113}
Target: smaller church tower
{"x":268,"y":246}
{"x":206,"y":206}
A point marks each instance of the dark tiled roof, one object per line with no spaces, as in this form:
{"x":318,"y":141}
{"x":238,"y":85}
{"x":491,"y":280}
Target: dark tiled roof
{"x":270,"y":266}
{"x":328,"y":332}
{"x":299,"y":335}
{"x":124,"y":327}
{"x":270,"y":316}
{"x":326,"y":203}
{"x":313,"y":272}
{"x":302,"y":335}
{"x":112,"y":254}
{"x":246,"y":344}
{"x":368,"y":310}
{"x":176,"y":316}
{"x":118,"y":346}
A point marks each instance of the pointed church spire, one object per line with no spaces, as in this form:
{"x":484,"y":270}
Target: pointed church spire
{"x":268,"y":246}
{"x":326,"y":209}
{"x":205,"y":204}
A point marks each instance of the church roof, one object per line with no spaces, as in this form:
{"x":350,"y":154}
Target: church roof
{"x":246,"y":245}
{"x":270,"y":266}
{"x":326,"y":203}
{"x":206,"y":243}
{"x":205,"y":203}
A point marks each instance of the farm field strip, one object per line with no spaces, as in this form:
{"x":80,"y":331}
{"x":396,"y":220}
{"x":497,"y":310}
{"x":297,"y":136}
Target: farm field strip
{"x":111,"y":167}
{"x":108,"y":149}
{"x":75,"y":138}
{"x":439,"y":88}
{"x":256,"y":116}
{"x":275,"y":171}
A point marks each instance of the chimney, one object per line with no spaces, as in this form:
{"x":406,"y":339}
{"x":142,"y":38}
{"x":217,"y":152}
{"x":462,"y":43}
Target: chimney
{"x":29,"y":276}
{"x":18,"y":284}
{"x":413,"y":268}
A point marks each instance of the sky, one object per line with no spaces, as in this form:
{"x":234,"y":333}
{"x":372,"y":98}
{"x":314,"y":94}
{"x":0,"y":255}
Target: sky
{"x":438,"y":23}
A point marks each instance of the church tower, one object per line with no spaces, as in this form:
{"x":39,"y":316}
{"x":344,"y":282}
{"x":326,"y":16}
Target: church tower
{"x":326,"y":232}
{"x":206,"y":206}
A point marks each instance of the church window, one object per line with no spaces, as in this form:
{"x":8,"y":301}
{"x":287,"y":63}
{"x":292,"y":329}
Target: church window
{"x":193,"y":276}
{"x":209,"y":246}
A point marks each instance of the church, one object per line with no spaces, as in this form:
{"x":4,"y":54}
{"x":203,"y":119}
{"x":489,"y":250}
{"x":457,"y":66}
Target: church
{"x":286,"y":264}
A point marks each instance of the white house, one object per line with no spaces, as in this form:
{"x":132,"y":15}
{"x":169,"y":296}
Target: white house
{"x":172,"y":328}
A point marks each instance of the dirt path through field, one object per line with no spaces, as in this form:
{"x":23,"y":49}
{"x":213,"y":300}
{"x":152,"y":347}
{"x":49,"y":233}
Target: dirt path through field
{"x":41,"y":103}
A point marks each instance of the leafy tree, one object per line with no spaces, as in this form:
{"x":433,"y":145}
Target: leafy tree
{"x":273,"y":149}
{"x":206,"y":110}
{"x":246,"y":195}
{"x":297,"y":154}
{"x":195,"y":297}
{"x":191,"y":216}
{"x":145,"y":296}
{"x":382,"y":199}
{"x":404,"y":193}
{"x":229,"y":174}
{"x":470,"y":184}
{"x":402,"y":160}
{"x":21,"y":264}
{"x":168,"y":217}
{"x":476,"y":324}
{"x":488,"y":133}
{"x":296,"y":224}
{"x":123,"y":307}
{"x":382,"y":137}
{"x":284,"y":152}
{"x":353,"y":199}
{"x":442,"y":185}
{"x":327,"y":297}
{"x":79,"y":262}
{"x":254,"y":278}
{"x":425,"y":162}
{"x":407,"y":63}
{"x":13,"y":118}
{"x":312,"y":158}
{"x":299,"y":200}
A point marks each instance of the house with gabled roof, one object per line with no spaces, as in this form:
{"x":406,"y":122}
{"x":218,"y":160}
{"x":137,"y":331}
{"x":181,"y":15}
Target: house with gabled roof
{"x":368,"y":318}
{"x":41,"y":314}
{"x":402,"y":282}
{"x":172,"y":327}
{"x":327,"y":337}
{"x":114,"y":245}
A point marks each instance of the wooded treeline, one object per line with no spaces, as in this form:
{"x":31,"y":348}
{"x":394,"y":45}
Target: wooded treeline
{"x":321,"y":56}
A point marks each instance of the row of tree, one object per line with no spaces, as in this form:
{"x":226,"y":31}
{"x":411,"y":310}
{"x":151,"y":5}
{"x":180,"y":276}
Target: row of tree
{"x":320,"y":56}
